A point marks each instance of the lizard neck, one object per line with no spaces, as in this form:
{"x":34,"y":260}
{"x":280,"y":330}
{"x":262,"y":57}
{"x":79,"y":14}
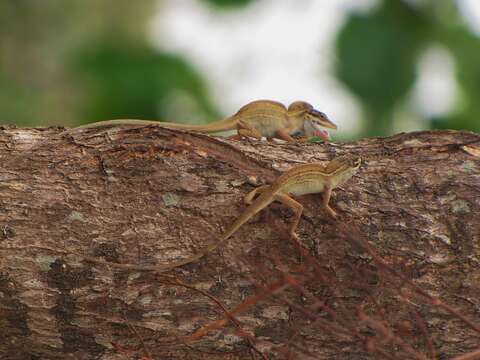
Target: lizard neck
{"x":295,"y":123}
{"x":341,"y":176}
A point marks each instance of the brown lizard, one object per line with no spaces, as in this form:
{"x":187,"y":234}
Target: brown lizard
{"x":257,"y":119}
{"x":299,"y":180}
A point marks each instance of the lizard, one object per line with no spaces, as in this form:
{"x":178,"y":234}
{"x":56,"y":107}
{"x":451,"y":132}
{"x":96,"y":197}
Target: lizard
{"x":299,"y":180}
{"x":257,"y":119}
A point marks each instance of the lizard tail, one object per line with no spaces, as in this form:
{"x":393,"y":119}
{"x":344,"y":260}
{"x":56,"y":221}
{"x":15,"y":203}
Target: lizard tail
{"x":260,"y":203}
{"x":110,"y":123}
{"x":229,"y":123}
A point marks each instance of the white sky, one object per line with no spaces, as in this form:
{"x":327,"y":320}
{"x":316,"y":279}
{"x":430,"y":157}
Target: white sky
{"x":282,"y":50}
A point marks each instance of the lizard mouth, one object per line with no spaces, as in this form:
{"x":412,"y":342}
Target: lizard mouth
{"x":313,"y":129}
{"x":324,"y":134}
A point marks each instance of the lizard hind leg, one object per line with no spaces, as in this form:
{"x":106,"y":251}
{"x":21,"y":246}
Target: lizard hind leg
{"x":247,"y":130}
{"x":248,"y":199}
{"x":297,"y":209}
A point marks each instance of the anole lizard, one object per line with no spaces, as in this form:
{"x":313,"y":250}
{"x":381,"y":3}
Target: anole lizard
{"x":299,"y":180}
{"x":257,"y":119}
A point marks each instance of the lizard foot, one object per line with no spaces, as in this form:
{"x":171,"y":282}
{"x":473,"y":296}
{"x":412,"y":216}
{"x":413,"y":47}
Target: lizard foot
{"x":295,"y":237}
{"x":331,"y":212}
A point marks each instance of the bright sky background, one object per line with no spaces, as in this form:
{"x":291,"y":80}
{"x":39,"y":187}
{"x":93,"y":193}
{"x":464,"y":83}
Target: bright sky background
{"x":283,"y":50}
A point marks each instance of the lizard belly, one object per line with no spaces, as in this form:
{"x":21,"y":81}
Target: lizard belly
{"x":306,"y":187}
{"x":266,"y":125}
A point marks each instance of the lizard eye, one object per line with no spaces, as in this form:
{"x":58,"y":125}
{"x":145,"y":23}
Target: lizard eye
{"x":317,"y":114}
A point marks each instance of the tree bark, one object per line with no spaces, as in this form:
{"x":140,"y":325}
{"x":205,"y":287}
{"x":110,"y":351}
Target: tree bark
{"x":397,"y":275}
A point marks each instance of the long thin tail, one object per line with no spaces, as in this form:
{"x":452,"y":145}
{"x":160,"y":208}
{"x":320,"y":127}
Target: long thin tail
{"x":223,"y":125}
{"x":229,"y":123}
{"x":110,"y":123}
{"x":260,"y":203}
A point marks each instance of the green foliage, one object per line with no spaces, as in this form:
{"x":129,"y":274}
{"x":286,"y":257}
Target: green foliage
{"x":378,"y":54}
{"x":229,"y":3}
{"x":17,"y":105}
{"x":371,"y":46}
{"x":87,"y":60}
{"x":465,"y":48}
{"x":126,"y":80}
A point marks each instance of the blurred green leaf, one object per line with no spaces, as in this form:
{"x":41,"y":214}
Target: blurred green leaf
{"x":229,"y":3}
{"x":376,"y":58}
{"x":125,"y":80}
{"x":315,"y":139}
{"x":459,"y":121}
{"x":17,"y":105}
{"x":465,"y":48}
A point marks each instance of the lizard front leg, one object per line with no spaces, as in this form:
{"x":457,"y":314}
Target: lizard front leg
{"x":327,"y":193}
{"x":297,"y":209}
{"x":284,"y":135}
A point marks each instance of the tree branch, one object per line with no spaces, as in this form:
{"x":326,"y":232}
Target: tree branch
{"x":408,"y":221}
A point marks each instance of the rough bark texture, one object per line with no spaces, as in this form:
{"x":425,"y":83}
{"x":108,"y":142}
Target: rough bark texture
{"x":151,"y":196}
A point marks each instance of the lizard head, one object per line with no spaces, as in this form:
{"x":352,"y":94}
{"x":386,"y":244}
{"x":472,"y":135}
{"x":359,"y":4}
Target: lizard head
{"x":313,"y":120}
{"x":343,"y":168}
